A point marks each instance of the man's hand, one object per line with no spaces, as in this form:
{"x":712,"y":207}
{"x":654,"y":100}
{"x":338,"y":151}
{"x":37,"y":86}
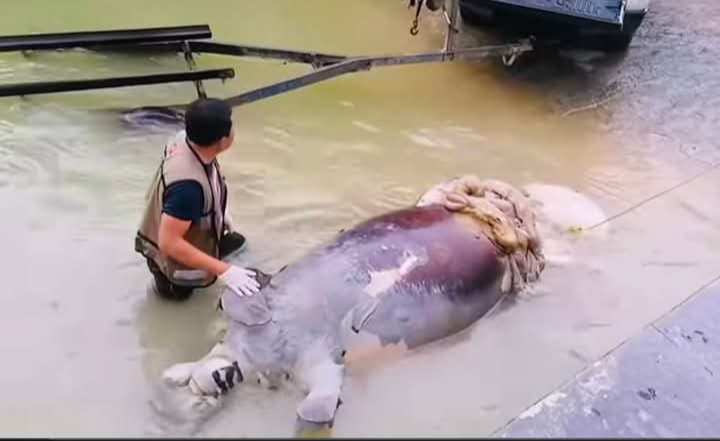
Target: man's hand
{"x":242,"y":281}
{"x":172,"y":243}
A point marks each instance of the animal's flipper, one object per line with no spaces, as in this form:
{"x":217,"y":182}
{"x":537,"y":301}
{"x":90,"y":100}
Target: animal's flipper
{"x":325,"y":381}
{"x":318,"y":409}
{"x":178,"y":375}
{"x":304,"y":429}
{"x":362,"y":312}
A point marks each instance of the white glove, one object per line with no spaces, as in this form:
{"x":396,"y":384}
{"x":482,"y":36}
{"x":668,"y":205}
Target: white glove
{"x":240,"y":280}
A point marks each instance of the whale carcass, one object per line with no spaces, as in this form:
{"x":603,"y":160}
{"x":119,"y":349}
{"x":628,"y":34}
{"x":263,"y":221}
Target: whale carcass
{"x":410,"y":276}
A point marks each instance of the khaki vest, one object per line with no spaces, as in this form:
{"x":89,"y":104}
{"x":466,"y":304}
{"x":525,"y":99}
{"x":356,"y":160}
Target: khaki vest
{"x":180,"y":163}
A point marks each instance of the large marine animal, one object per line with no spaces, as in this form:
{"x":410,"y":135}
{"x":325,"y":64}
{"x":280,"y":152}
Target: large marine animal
{"x":407,"y":277}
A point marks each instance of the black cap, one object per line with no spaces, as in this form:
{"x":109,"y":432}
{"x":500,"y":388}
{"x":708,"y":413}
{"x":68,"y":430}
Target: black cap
{"x":207,"y":120}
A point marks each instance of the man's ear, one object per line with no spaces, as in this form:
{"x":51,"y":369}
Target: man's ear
{"x":224,"y":143}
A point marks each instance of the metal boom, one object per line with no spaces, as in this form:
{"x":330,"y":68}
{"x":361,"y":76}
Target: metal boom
{"x":190,"y":40}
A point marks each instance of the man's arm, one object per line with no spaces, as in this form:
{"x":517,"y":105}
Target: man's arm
{"x":173,"y":244}
{"x":183,"y":204}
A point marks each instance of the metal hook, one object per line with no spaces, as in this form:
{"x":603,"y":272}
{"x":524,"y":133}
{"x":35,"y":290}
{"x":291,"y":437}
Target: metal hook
{"x":509,"y":60}
{"x":414,"y":29}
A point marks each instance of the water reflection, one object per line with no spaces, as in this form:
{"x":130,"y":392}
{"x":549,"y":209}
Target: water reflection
{"x":305,"y":165}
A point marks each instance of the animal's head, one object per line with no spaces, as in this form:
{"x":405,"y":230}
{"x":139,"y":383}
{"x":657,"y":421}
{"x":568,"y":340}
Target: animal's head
{"x":252,"y":335}
{"x":249,"y":310}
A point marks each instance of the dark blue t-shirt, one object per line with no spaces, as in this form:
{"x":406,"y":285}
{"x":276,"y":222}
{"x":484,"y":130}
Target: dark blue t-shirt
{"x":184,"y":200}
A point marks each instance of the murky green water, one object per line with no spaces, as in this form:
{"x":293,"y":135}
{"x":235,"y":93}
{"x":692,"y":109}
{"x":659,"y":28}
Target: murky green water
{"x":83,"y":341}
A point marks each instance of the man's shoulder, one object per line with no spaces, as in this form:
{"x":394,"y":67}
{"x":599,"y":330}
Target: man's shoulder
{"x":184,"y":199}
{"x":185,"y":187}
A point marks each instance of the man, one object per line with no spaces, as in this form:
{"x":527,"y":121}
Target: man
{"x":185,"y":226}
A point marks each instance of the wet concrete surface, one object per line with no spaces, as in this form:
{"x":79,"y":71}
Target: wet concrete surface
{"x":665,"y":86}
{"x":661,"y":383}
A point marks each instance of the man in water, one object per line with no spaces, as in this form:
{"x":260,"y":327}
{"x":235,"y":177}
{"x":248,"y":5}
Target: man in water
{"x":185,"y":229}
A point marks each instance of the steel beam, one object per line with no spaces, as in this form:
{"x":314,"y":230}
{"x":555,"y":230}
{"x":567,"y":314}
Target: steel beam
{"x":67,"y":40}
{"x":105,"y":83}
{"x":366,"y":63}
{"x":314,"y":58}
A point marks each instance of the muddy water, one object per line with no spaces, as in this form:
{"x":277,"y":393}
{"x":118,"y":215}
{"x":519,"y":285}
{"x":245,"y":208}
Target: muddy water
{"x":83,"y":338}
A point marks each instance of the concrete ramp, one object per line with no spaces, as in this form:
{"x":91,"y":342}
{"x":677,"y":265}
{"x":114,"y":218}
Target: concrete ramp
{"x":664,"y":382}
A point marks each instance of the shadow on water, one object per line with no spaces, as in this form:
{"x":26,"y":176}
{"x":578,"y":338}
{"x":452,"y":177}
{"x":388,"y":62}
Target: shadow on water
{"x":152,"y":117}
{"x":165,"y":343}
{"x":563,"y":73}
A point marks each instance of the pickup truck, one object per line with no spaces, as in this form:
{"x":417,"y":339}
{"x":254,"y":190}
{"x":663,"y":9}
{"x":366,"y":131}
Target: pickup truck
{"x":604,"y":24}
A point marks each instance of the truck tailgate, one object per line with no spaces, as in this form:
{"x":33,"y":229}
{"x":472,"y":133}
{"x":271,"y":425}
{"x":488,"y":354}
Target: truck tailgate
{"x":606,"y":11}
